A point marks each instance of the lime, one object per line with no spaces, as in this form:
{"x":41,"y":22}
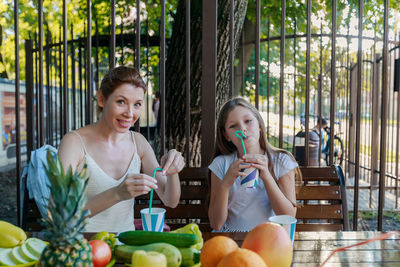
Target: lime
{"x":27,"y":253}
{"x":35,"y":246}
{"x":18,"y":256}
{"x":5,"y":257}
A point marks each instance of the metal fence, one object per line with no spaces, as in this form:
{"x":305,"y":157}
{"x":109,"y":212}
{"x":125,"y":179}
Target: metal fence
{"x":355,"y":90}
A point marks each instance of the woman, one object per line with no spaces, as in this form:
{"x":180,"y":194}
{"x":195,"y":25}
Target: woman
{"x":119,"y":162}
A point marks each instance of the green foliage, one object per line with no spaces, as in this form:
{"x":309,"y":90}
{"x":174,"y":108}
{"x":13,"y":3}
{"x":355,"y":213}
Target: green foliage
{"x":77,"y":18}
{"x":296,"y":20}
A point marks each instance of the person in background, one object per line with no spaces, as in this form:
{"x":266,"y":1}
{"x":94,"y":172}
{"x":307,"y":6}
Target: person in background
{"x":119,"y":162}
{"x":316,"y":137}
{"x":236,"y":208}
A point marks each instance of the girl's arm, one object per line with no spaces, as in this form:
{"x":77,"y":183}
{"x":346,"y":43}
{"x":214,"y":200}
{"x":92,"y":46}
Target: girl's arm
{"x":218,"y":209}
{"x":282,"y":194}
{"x":169,"y":187}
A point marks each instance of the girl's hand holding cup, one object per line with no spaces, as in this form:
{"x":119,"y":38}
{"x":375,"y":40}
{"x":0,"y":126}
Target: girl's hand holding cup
{"x":259,"y":162}
{"x":236,"y":169}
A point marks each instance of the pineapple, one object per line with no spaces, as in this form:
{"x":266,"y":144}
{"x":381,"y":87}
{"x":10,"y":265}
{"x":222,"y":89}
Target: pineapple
{"x":66,"y":218}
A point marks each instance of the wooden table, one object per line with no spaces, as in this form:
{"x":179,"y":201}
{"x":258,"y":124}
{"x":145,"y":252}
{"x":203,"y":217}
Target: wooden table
{"x":312,"y":248}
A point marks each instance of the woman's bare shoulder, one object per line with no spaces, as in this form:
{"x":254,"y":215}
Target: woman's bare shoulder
{"x":141,"y":143}
{"x":74,"y":139}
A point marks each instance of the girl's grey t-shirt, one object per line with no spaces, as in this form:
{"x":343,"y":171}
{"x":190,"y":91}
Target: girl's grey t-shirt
{"x":248,"y":207}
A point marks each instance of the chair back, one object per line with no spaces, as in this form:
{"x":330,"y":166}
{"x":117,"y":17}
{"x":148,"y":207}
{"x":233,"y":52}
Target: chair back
{"x":322,"y":200}
{"x":192,"y":205}
{"x":31,"y":217}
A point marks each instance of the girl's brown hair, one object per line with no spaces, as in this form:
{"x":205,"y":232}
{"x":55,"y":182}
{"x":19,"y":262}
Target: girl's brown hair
{"x":118,"y":76}
{"x":224,"y":147}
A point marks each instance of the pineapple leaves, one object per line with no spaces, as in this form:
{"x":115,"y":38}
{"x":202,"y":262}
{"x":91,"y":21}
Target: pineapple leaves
{"x":67,"y":200}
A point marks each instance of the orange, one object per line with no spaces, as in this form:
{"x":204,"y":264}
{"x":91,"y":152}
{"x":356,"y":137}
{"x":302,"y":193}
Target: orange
{"x":242,"y":258}
{"x":215,"y":249}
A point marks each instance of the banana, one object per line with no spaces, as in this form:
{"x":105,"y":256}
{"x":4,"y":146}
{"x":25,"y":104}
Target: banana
{"x":10,"y":235}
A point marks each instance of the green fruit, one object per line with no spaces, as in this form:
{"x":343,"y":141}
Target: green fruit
{"x":18,"y":256}
{"x":110,"y":238}
{"x":35,"y":246}
{"x":141,"y":258}
{"x":27,"y":253}
{"x":5,"y":258}
{"x":137,"y":238}
{"x":190,"y":256}
{"x":174,"y":258}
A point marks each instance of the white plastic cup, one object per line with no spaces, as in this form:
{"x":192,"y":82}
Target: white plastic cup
{"x":153,"y":221}
{"x":286,"y":221}
{"x":250,"y":180}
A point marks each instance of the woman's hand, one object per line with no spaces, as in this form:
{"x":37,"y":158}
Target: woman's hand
{"x":135,"y":185}
{"x":260,"y":162}
{"x":234,"y":171}
{"x":172,"y":162}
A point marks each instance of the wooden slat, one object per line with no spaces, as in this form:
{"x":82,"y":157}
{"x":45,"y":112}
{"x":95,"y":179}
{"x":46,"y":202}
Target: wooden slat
{"x":321,"y":173}
{"x":323,"y":196}
{"x":319,"y":227}
{"x":194,"y":174}
{"x":180,"y":212}
{"x":319,"y":212}
{"x":319,"y":192}
{"x":187,"y":192}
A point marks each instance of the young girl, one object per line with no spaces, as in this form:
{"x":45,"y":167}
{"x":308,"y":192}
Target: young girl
{"x":232,"y":206}
{"x":119,"y":162}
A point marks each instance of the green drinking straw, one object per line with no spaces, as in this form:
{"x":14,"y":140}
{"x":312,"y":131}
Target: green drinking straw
{"x":241,"y":135}
{"x":151,"y":192}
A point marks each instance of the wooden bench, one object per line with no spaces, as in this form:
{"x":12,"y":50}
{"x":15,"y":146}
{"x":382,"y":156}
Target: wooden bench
{"x":192,"y":206}
{"x":322,"y":200}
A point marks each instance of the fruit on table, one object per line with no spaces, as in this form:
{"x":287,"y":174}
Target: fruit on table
{"x":192,"y":228}
{"x":190,"y":256}
{"x":215,"y":249}
{"x":101,"y":253}
{"x":34,"y":246}
{"x":26,"y":251}
{"x":26,"y":254}
{"x":10,"y":235}
{"x":272,"y":243}
{"x":5,"y":257}
{"x":110,"y":238}
{"x":141,"y":258}
{"x":66,"y":218}
{"x":242,"y":258}
{"x":137,"y":238}
{"x":174,"y":258}
{"x":18,"y":256}
{"x":32,"y":263}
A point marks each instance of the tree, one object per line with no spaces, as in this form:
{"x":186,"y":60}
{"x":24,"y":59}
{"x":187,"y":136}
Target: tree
{"x":175,"y":72}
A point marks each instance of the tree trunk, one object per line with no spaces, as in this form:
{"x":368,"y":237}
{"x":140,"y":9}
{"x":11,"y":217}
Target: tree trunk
{"x":175,"y":73}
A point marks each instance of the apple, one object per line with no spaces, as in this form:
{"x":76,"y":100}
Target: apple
{"x":141,"y":258}
{"x":272,"y":243}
